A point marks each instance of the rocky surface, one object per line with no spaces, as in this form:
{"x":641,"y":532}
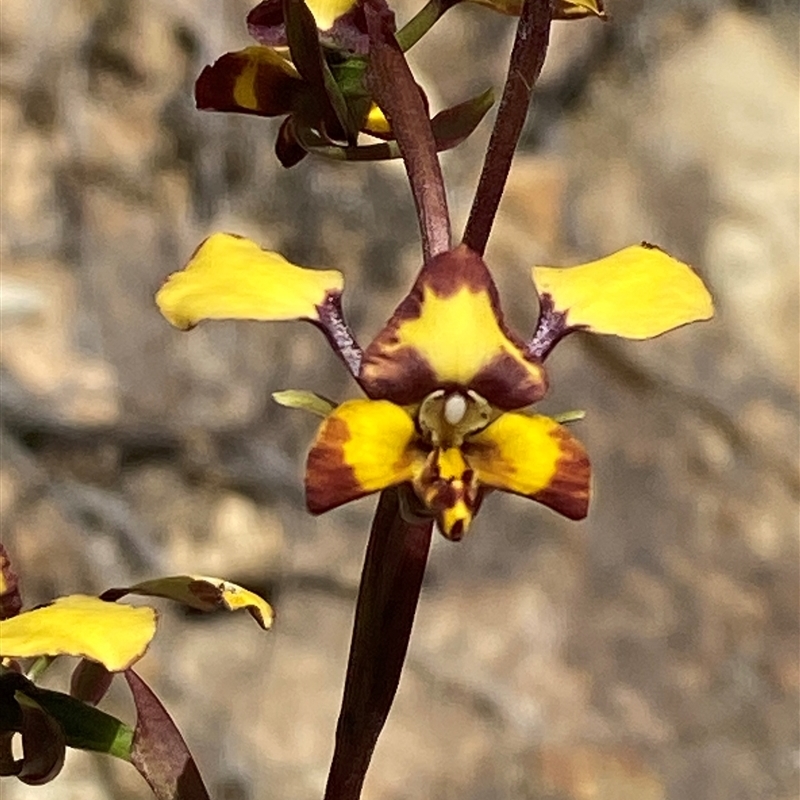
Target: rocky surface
{"x":649,"y":652}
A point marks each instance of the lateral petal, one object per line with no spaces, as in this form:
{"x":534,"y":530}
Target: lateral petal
{"x":449,"y":331}
{"x":362,"y":447}
{"x":536,"y":457}
{"x":230,"y":277}
{"x":78,"y":625}
{"x":256,"y":80}
{"x":638,"y":293}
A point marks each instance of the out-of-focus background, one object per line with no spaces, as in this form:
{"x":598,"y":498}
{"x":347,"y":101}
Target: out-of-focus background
{"x":648,"y":653}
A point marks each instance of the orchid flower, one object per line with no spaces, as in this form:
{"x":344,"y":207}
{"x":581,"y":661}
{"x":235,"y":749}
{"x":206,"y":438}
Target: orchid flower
{"x":309,"y":67}
{"x":447,"y":382}
{"x":448,"y":386}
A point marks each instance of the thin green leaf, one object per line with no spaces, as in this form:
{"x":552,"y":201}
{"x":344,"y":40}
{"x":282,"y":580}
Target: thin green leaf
{"x":86,"y":727}
{"x":453,"y":125}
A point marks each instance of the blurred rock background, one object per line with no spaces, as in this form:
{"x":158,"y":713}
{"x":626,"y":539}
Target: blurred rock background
{"x":649,"y":653}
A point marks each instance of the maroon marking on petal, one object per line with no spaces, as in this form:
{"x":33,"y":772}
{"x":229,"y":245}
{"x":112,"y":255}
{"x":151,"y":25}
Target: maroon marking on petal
{"x":330,"y":480}
{"x":551,"y":328}
{"x":569,"y":490}
{"x":266,"y":25}
{"x":404,"y":376}
{"x":449,"y":272}
{"x":506,"y":384}
{"x":439,"y":494}
{"x":333,"y":324}
{"x":275,"y":90}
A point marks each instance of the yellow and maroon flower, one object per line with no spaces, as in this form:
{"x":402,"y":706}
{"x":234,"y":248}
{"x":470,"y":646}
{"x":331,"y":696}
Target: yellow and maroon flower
{"x":296,"y":81}
{"x":310,"y":67}
{"x":447,"y":383}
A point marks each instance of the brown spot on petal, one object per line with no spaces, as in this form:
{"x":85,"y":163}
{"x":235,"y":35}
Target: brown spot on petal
{"x":449,"y":272}
{"x":452,"y":498}
{"x":508,"y":384}
{"x":568,"y":491}
{"x":350,"y":30}
{"x":225,"y":85}
{"x":330,"y":480}
{"x":402,"y":376}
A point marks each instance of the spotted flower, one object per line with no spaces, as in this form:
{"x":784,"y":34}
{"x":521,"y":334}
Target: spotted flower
{"x":448,"y":385}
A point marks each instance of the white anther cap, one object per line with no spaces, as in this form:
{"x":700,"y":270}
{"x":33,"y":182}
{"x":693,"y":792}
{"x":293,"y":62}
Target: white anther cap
{"x":455,"y":407}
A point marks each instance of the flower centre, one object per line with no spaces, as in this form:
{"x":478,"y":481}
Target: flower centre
{"x":446,"y":417}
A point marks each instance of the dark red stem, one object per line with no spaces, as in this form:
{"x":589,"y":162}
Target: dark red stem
{"x":387,"y":601}
{"x":551,"y":328}
{"x":527,"y":58}
{"x":396,"y":92}
{"x":332,"y":323}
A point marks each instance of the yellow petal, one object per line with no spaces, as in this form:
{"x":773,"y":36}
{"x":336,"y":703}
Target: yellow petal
{"x":326,"y":12}
{"x":362,"y":447}
{"x":638,"y":293}
{"x":576,"y":9}
{"x":449,"y":330}
{"x":230,"y":277}
{"x":305,"y":401}
{"x":78,"y":625}
{"x":202,"y":593}
{"x":536,"y":457}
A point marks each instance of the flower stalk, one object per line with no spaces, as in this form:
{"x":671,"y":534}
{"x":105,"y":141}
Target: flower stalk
{"x":400,"y":98}
{"x":527,"y":59}
{"x":391,"y":580}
